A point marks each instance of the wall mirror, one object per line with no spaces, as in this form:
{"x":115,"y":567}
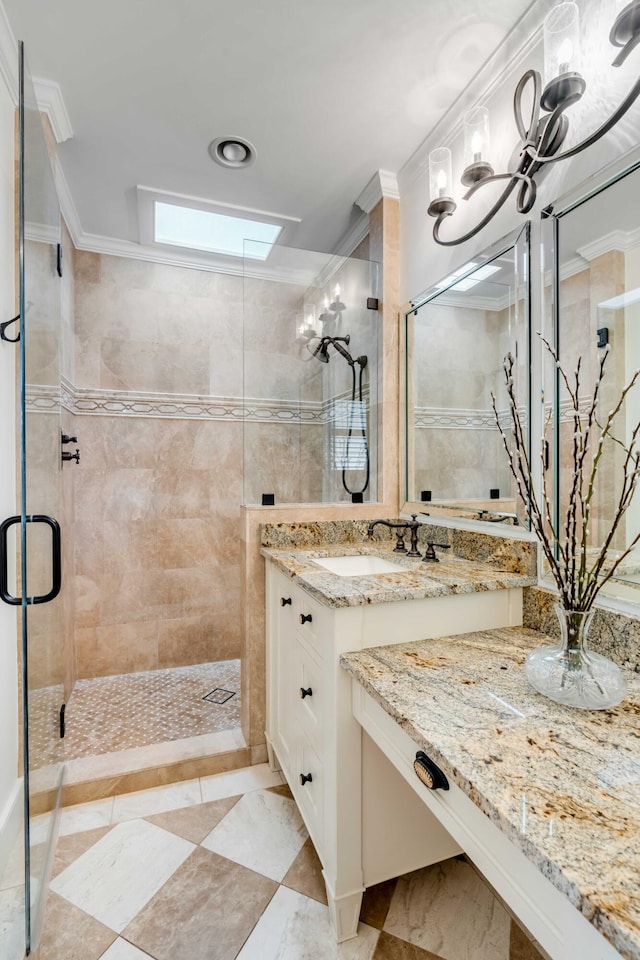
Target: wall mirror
{"x":457,"y":335}
{"x":594,"y":298}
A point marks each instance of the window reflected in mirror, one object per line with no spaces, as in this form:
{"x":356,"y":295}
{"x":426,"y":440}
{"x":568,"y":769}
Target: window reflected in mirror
{"x":457,"y":337}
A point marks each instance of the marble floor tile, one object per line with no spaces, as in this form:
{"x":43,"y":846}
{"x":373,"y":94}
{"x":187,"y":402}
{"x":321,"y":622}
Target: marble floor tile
{"x":12,"y":874}
{"x":220,"y":785}
{"x":205,"y":911}
{"x":40,"y":828}
{"x":70,"y":848}
{"x":194,"y":823}
{"x":263,"y":832}
{"x":520,"y":947}
{"x":122,"y":950}
{"x":120,"y":873}
{"x":447,"y":909}
{"x":294,"y":927}
{"x":85,"y":816}
{"x":390,"y":948}
{"x":376,"y":903}
{"x":12,"y":923}
{"x":305,"y":874}
{"x":144,"y":803}
{"x":71,"y":934}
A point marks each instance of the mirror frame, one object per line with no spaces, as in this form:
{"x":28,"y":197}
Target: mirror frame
{"x":452,"y":514}
{"x":552,"y":215}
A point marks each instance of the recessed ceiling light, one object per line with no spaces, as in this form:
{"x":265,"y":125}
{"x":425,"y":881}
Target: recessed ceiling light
{"x":232,"y":151}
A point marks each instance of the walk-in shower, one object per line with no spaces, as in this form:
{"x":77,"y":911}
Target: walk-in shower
{"x":310,"y":378}
{"x":319,"y":348}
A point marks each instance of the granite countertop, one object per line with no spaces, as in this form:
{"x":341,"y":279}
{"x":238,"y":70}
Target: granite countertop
{"x":561,"y":783}
{"x":452,"y":575}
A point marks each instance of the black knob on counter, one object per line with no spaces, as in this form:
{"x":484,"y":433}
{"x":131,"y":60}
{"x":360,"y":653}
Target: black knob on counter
{"x":284,"y":601}
{"x":429,"y":773}
{"x":305,"y":618}
{"x":305,"y":778}
{"x":308,"y":692}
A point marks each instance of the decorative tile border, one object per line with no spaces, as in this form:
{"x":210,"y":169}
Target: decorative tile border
{"x":459,"y":418}
{"x":109,"y":403}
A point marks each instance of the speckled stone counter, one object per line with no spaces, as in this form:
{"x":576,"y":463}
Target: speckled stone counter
{"x":562,"y":784}
{"x":451,"y":575}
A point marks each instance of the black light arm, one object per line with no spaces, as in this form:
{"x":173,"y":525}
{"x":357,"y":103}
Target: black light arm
{"x":544,"y":135}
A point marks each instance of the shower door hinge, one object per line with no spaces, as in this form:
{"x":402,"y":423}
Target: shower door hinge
{"x":62,"y":721}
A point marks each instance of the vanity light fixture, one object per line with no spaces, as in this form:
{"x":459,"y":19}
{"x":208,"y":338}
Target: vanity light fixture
{"x":546,"y":128}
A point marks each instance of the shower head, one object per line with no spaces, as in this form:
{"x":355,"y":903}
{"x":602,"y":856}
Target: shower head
{"x":319,"y":348}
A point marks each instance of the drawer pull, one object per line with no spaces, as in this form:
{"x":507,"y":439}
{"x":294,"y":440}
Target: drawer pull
{"x":284,"y":601}
{"x":305,"y":618}
{"x":306,"y":692}
{"x":429,"y":773}
{"x":305,"y":778}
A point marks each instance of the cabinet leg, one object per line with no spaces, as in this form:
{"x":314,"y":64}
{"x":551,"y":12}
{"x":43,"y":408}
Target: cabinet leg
{"x":344,"y":913}
{"x":274,"y":763}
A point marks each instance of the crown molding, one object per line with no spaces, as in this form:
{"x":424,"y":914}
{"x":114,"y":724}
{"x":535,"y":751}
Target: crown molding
{"x":50,"y":101}
{"x":353,"y":237}
{"x":620,"y":240}
{"x":382,"y":184}
{"x":8,"y":56}
{"x":515,"y":48}
{"x":68,"y":207}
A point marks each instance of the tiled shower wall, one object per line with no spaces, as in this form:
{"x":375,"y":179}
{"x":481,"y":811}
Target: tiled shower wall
{"x":158,"y":380}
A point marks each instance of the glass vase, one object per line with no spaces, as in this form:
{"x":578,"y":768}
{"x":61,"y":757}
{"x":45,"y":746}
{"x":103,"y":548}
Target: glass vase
{"x":569,"y":672}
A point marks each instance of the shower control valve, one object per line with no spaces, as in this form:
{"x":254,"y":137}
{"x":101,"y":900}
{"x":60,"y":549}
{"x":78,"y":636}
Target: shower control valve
{"x":71,"y":456}
{"x":66,"y":439}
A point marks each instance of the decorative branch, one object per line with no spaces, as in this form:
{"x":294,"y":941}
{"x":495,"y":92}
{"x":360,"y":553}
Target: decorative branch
{"x":566,"y":551}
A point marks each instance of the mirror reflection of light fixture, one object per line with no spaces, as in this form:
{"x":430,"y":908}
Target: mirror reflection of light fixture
{"x":542,"y":134}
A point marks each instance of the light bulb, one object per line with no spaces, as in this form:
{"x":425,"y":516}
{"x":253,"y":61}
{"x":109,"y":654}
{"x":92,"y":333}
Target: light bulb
{"x":476,"y":146}
{"x":336,"y":292}
{"x":442,"y":183}
{"x":325,"y":303}
{"x":565,"y":53}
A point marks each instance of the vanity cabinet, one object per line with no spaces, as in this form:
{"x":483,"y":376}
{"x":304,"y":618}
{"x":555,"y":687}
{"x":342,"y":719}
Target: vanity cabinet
{"x":366,"y":822}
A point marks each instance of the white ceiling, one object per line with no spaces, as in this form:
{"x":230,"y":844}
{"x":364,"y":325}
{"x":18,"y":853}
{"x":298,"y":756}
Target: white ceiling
{"x":328,"y":92}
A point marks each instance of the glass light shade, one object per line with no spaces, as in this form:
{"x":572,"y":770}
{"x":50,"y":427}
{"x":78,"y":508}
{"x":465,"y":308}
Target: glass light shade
{"x":440,"y":173}
{"x":476,"y":136}
{"x":561,"y":41}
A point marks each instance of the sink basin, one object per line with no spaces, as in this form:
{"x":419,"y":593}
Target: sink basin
{"x":358,"y":566}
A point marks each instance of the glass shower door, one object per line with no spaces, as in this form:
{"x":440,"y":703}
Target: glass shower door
{"x":40,"y":488}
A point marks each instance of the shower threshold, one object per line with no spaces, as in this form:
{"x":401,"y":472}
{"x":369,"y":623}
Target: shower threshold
{"x":139,"y":730}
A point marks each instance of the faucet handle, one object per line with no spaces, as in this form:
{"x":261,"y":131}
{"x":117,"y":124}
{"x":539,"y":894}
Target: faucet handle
{"x":430,"y":555}
{"x":400,"y":545}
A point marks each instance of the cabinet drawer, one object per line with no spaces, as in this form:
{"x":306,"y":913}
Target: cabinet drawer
{"x":308,"y":694}
{"x":309,"y":796}
{"x":314,"y":623}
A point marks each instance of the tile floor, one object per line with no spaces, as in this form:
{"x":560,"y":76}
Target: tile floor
{"x":109,"y":714}
{"x":222,"y":868}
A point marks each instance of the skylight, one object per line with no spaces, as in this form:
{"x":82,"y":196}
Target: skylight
{"x":214,"y":232}
{"x":482,"y":274}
